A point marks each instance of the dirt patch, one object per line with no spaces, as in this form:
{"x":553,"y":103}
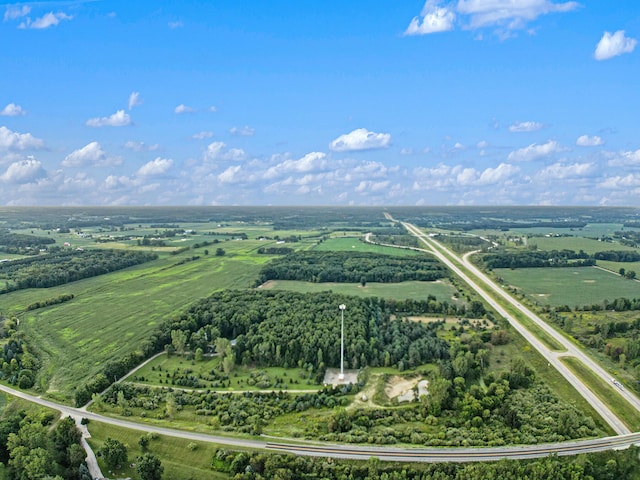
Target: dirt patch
{"x":588,"y":281}
{"x":332,"y":374}
{"x":397,"y":386}
{"x":267,"y":285}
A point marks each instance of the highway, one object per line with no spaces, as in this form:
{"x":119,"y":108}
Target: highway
{"x":354,"y":452}
{"x":553,"y":357}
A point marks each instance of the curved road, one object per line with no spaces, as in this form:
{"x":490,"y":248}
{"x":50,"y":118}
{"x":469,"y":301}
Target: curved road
{"x":478,"y":454}
{"x":551,"y":356}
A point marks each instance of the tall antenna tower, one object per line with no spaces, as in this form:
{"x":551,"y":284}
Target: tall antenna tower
{"x":341,"y":376}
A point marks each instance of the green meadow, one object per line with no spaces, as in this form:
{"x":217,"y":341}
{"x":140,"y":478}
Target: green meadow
{"x":357,"y":244}
{"x":568,"y":286}
{"x":442,"y":289}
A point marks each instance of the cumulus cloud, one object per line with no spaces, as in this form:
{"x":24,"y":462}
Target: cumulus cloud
{"x":24,"y":171}
{"x":91,"y":154}
{"x":432,"y":19}
{"x":16,"y":11}
{"x":313,"y":161}
{"x":621,"y":182}
{"x":202,"y":135}
{"x":245,"y":131}
{"x":159,"y":166}
{"x":230,"y":175}
{"x":624,"y":159}
{"x":47,"y":20}
{"x":13,"y":141}
{"x":176,"y":24}
{"x":536,"y":151}
{"x":360,"y":139}
{"x":526,"y":127}
{"x":560,"y":171}
{"x":587,"y":141}
{"x":506,"y":15}
{"x":140,"y":146}
{"x":612,"y":45}
{"x":182,"y":108}
{"x":218,"y":151}
{"x":12,"y":110}
{"x":118,"y":119}
{"x":134,"y":100}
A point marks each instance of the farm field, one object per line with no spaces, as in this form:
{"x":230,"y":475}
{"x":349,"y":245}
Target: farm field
{"x":442,"y":289}
{"x":111,"y":314}
{"x":588,"y":245}
{"x":356,"y":244}
{"x":568,"y":286}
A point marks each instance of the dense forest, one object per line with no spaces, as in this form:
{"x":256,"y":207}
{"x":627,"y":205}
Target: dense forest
{"x":63,"y":266}
{"x":18,"y":243}
{"x":539,"y":258}
{"x":621,"y":465}
{"x":33,"y":446}
{"x":289,"y":329}
{"x":352,"y":267}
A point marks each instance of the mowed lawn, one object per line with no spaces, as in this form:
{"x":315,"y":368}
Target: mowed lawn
{"x":111,"y":315}
{"x":357,"y":244}
{"x":569,"y":286}
{"x":441,"y":289}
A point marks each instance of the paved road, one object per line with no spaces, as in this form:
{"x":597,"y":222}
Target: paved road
{"x":359,"y":452}
{"x":553,"y":358}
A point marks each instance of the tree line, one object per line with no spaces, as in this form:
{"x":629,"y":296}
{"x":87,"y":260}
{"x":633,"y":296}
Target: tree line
{"x":352,"y":267}
{"x":63,"y":266}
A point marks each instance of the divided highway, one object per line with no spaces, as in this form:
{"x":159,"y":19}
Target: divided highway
{"x":445,"y":255}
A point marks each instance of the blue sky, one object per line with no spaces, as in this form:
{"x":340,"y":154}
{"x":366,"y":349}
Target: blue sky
{"x":462,"y":102}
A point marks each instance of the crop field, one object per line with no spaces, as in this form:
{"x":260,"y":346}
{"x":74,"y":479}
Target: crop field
{"x":113,"y":313}
{"x":441,"y":289}
{"x":588,"y":245}
{"x":569,"y":286}
{"x":356,"y":244}
{"x":163,"y":370}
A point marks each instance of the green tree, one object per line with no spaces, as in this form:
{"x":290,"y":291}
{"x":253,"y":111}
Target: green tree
{"x":220,"y":252}
{"x":149,"y":467}
{"x":179,"y":340}
{"x":114,"y":453}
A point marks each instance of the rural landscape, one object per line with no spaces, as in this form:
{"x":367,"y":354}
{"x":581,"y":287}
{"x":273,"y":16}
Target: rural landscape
{"x":208,"y":342}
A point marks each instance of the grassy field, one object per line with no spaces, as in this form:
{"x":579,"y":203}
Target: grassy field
{"x":356,"y":244}
{"x":588,"y":245}
{"x":569,"y":286}
{"x":179,"y":457}
{"x":113,"y":313}
{"x":158,"y":373}
{"x":606,"y":392}
{"x":441,"y":289}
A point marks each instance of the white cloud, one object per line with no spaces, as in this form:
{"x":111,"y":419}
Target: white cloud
{"x":218,"y":151}
{"x":182,"y":108}
{"x":507,"y":15}
{"x":560,"y":171}
{"x":12,"y":110}
{"x":91,"y":154}
{"x":621,"y":182}
{"x":482,"y":145}
{"x":155,"y":167}
{"x":587,"y":141}
{"x":535,"y":151}
{"x":245,"y":131}
{"x":526,"y":127}
{"x":47,"y":20}
{"x":24,"y":171}
{"x":140,"y":146}
{"x":174,"y":25}
{"x":611,"y":46}
{"x":406,"y":151}
{"x":500,"y":174}
{"x":213,"y":109}
{"x":230,"y":175}
{"x":360,"y":139}
{"x":16,"y":11}
{"x":202,"y":135}
{"x":134,"y":100}
{"x":434,"y":19}
{"x":13,"y":141}
{"x":624,"y":159}
{"x":118,"y":119}
{"x":367,"y":186}
{"x":313,"y":161}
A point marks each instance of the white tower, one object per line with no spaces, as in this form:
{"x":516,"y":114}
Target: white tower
{"x":341,"y":376}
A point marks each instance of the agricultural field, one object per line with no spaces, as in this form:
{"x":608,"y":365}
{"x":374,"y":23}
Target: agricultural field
{"x":443,"y":290}
{"x":568,"y":286}
{"x":357,"y":244}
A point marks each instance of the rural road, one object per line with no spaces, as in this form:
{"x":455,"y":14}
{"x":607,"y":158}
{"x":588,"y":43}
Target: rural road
{"x":354,"y":452}
{"x":552,"y":357}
